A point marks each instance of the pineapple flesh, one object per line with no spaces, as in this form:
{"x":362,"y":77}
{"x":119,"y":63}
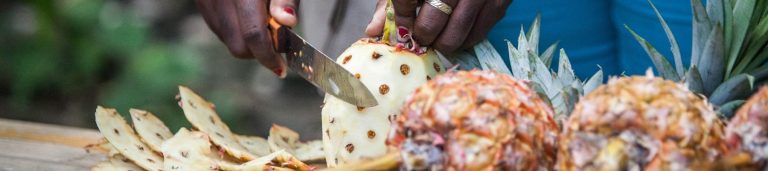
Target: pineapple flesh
{"x":475,"y":120}
{"x":748,"y":129}
{"x":355,"y":133}
{"x":641,"y":123}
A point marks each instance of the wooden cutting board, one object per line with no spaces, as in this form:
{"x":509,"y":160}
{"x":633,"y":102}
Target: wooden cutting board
{"x":36,"y":146}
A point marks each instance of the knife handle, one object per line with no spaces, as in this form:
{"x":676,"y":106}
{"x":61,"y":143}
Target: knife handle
{"x":279,"y":38}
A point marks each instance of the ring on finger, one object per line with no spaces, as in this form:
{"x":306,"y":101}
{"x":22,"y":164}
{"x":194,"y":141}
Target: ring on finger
{"x":440,"y":5}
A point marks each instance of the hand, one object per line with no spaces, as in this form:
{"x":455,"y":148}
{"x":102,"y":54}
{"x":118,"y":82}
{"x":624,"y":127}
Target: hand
{"x":468,"y":23}
{"x":242,"y":26}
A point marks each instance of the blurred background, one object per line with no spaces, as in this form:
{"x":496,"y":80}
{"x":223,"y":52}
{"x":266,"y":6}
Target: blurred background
{"x":59,"y":59}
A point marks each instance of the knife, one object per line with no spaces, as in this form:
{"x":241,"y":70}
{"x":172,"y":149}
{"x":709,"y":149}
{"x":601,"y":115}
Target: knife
{"x":318,"y":68}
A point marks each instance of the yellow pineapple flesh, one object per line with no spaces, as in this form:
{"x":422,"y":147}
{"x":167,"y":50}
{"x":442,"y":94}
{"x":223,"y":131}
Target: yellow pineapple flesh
{"x":353,"y":133}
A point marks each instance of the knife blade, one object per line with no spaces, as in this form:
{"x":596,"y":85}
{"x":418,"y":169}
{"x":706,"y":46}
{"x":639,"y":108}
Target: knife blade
{"x":317,"y":68}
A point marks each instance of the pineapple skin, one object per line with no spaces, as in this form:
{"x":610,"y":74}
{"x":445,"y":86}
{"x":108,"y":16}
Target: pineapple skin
{"x":475,"y":120}
{"x":352,"y":133}
{"x":641,"y":123}
{"x":748,"y":129}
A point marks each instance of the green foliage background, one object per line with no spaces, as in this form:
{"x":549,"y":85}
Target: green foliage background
{"x":61,"y":58}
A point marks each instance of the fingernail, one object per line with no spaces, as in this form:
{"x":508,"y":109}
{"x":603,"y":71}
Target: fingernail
{"x":278,"y":72}
{"x":289,"y":10}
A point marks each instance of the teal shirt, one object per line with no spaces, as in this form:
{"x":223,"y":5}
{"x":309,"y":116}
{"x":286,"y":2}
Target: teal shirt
{"x":592,"y":31}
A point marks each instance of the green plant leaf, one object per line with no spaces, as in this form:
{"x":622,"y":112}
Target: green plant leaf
{"x":760,"y":73}
{"x":701,"y":30}
{"x":534,"y":35}
{"x":711,"y":66}
{"x":549,"y":54}
{"x":464,"y":59}
{"x":661,"y":63}
{"x":594,"y":81}
{"x":758,"y":40}
{"x":519,"y":64}
{"x":738,"y":87}
{"x":694,"y":81}
{"x":727,"y":110}
{"x":672,"y":42}
{"x":564,"y":70}
{"x":715,"y":10}
{"x":742,"y":16}
{"x":489,"y":58}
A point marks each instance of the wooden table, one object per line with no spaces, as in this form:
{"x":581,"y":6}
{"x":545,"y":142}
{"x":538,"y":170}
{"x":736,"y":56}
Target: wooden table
{"x":28,"y":146}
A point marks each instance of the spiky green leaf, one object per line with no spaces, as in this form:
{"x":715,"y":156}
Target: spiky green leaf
{"x":564,"y":70}
{"x":534,"y":34}
{"x":489,"y":58}
{"x":738,"y":87}
{"x":549,"y":54}
{"x":694,"y":81}
{"x":672,"y":42}
{"x":711,"y":65}
{"x":742,"y":16}
{"x":519,"y":64}
{"x":702,"y":27}
{"x":593,"y":82}
{"x":728,"y":109}
{"x":464,"y":60}
{"x":661,"y":63}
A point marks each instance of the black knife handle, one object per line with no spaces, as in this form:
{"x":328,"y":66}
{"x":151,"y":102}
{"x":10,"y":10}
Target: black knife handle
{"x":279,"y":38}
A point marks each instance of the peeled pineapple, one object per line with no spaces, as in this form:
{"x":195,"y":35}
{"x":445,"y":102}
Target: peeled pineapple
{"x":352,"y":133}
{"x":475,"y":120}
{"x":641,"y":123}
{"x":748,"y":129}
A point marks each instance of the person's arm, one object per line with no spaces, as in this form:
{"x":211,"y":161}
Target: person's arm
{"x":467,"y":24}
{"x":242,"y":26}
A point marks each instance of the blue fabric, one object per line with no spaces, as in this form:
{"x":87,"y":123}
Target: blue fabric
{"x":592,"y":31}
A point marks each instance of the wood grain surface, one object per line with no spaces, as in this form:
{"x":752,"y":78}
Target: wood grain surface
{"x":35,"y":146}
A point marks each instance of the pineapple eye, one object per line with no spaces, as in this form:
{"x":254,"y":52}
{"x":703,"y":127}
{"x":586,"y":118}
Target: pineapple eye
{"x":376,"y":56}
{"x":371,"y":134}
{"x":346,"y":59}
{"x":384,"y":89}
{"x":437,"y":67}
{"x":350,"y":148}
{"x":404,"y":69}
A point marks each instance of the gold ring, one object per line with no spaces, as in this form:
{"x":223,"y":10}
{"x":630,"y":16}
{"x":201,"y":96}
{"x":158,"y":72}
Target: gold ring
{"x":440,"y":5}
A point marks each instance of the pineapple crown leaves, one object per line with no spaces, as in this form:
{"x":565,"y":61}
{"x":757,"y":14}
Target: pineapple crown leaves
{"x":561,"y":89}
{"x":728,"y":53}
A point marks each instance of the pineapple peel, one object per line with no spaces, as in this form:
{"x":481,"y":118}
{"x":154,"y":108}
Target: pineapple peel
{"x":654,"y":124}
{"x":354,"y":133}
{"x":476,"y":120}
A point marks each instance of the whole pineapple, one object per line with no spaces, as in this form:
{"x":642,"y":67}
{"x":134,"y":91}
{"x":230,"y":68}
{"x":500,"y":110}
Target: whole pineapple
{"x":640,"y":123}
{"x":390,"y":73}
{"x":748,"y":129}
{"x":475,"y":120}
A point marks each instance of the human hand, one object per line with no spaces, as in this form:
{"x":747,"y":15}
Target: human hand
{"x":467,"y":24}
{"x":243,"y":26}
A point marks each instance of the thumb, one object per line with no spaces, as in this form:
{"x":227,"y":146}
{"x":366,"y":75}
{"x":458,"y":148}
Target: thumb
{"x":376,"y":26}
{"x":284,"y":11}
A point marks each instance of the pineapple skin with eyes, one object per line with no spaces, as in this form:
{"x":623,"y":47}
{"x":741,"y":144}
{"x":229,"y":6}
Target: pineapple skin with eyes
{"x":352,"y":133}
{"x":641,"y":123}
{"x":748,"y":129}
{"x":475,"y":120}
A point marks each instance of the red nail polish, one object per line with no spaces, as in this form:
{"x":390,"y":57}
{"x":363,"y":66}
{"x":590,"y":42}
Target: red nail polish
{"x":278,"y":71}
{"x":289,"y":10}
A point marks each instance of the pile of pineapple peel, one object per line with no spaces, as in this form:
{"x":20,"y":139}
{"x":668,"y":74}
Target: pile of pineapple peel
{"x":148,"y":144}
